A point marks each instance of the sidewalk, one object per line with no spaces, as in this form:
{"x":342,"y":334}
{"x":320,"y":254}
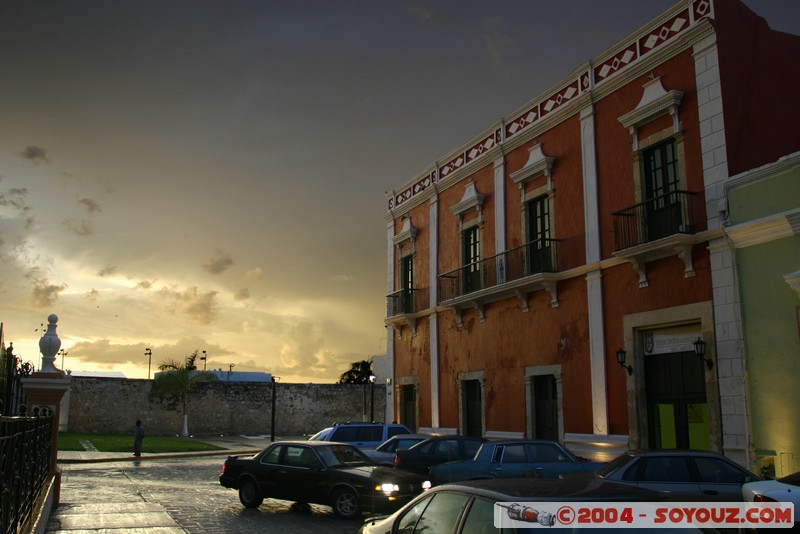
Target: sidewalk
{"x":100,"y":515}
{"x":230,"y":444}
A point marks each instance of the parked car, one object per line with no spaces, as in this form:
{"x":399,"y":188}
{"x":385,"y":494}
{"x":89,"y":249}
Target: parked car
{"x":514,"y":459}
{"x":383,"y":454}
{"x":362,"y":435}
{"x":684,"y":475}
{"x":468,"y":507}
{"x":421,"y":457}
{"x":333,"y":474}
{"x":786,"y":489}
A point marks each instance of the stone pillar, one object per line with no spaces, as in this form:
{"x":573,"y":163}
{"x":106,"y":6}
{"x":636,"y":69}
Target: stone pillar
{"x":45,"y":389}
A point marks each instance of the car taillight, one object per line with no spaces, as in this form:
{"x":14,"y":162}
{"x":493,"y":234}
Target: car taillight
{"x":397,"y":461}
{"x":763,"y":498}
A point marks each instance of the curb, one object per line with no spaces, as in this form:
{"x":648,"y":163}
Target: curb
{"x":228,"y":452}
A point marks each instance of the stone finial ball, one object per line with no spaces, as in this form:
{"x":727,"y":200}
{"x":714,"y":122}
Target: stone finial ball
{"x":52,"y":318}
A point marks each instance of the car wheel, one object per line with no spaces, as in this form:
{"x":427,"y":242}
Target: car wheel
{"x":345,"y":504}
{"x":249,"y":494}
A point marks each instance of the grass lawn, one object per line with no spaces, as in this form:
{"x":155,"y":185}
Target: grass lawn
{"x":71,"y":441}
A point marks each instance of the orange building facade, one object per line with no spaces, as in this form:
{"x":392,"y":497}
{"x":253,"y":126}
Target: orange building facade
{"x":565,"y":274}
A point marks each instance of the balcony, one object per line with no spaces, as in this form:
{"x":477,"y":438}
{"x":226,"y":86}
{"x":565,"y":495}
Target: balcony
{"x":658,"y":227}
{"x":404,"y":306}
{"x":515,"y":272}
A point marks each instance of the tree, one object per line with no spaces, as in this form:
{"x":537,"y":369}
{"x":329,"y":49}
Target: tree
{"x":358,"y":373}
{"x":177,"y":380}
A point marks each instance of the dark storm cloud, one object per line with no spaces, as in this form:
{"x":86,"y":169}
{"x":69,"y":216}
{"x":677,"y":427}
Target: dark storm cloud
{"x":80,"y":228}
{"x":36,"y":154}
{"x":15,"y":198}
{"x":90,"y":205}
{"x":45,"y":294}
{"x":145,"y":284}
{"x":219,"y":263}
{"x":197,"y":306}
{"x":109,"y":269}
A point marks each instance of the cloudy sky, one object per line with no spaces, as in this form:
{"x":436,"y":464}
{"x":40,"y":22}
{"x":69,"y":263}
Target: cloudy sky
{"x":211,"y":175}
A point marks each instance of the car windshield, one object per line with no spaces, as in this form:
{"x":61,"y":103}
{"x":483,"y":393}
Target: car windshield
{"x":318,"y":436}
{"x":343,"y":456}
{"x":613,"y":465}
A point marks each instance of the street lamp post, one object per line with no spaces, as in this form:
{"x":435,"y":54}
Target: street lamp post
{"x":372,"y":398}
{"x":149,"y":354}
{"x":272,"y":428}
{"x":204,"y":357}
{"x":63,"y":353}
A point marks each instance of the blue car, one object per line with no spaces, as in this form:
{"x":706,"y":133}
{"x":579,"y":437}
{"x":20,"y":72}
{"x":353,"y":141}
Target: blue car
{"x":514,"y":459}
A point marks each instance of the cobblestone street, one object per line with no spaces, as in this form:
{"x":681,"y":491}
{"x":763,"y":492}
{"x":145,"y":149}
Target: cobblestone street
{"x":188,"y":490}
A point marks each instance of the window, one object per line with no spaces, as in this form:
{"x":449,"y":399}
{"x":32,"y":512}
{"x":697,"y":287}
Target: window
{"x":660,"y":169}
{"x":471,"y":448}
{"x":718,"y":471}
{"x":471,"y":256}
{"x":441,"y":515}
{"x":663,"y":205}
{"x":665,"y":469}
{"x":447,"y":447}
{"x":480,"y":517}
{"x":539,"y":253}
{"x":272,"y":456}
{"x":510,"y":454}
{"x":406,"y":304}
{"x":515,"y":454}
{"x":543,"y":452}
{"x":408,"y":520}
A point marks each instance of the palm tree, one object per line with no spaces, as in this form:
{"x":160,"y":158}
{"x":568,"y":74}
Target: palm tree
{"x":176,"y":380}
{"x":358,"y":373}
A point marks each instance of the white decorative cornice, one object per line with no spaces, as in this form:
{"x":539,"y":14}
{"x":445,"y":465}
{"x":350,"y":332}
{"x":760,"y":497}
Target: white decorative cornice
{"x":471,"y":200}
{"x":538,"y":164}
{"x":765,"y":229}
{"x":793,"y":280}
{"x":656,"y":101}
{"x":784,"y":164}
{"x":677,"y":29}
{"x":407,"y":232}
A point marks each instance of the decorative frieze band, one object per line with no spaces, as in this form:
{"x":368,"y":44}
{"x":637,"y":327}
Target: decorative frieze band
{"x":598,"y":72}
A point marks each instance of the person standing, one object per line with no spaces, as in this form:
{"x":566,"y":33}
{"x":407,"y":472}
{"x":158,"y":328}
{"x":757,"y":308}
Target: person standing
{"x":138,"y":437}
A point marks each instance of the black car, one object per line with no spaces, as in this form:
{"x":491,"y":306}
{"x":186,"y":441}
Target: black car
{"x":333,"y":474}
{"x":468,"y":507}
{"x":421,"y":457}
{"x":688,"y":475}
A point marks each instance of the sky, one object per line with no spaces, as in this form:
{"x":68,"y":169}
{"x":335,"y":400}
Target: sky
{"x":211,"y":175}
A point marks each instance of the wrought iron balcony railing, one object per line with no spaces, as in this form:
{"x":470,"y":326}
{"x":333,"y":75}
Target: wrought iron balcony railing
{"x":662,"y":216}
{"x":406,"y":301}
{"x":532,"y":258}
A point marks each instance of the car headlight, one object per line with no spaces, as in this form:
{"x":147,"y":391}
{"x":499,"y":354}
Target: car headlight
{"x":387,"y":488}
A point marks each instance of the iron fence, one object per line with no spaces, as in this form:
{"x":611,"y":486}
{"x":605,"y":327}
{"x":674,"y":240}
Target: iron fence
{"x":25,"y":448}
{"x":534,"y":257}
{"x":406,"y":301}
{"x":655,"y":218}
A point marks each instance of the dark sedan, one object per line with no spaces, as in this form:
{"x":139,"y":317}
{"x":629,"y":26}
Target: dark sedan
{"x":514,"y":459}
{"x":421,"y":457}
{"x":333,"y":474}
{"x":683,"y":475}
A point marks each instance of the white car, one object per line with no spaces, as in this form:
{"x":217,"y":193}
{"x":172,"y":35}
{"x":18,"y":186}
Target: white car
{"x":786,"y":489}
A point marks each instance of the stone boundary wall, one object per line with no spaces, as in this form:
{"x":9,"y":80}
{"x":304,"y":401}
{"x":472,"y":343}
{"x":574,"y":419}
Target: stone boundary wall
{"x":112,"y":405}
